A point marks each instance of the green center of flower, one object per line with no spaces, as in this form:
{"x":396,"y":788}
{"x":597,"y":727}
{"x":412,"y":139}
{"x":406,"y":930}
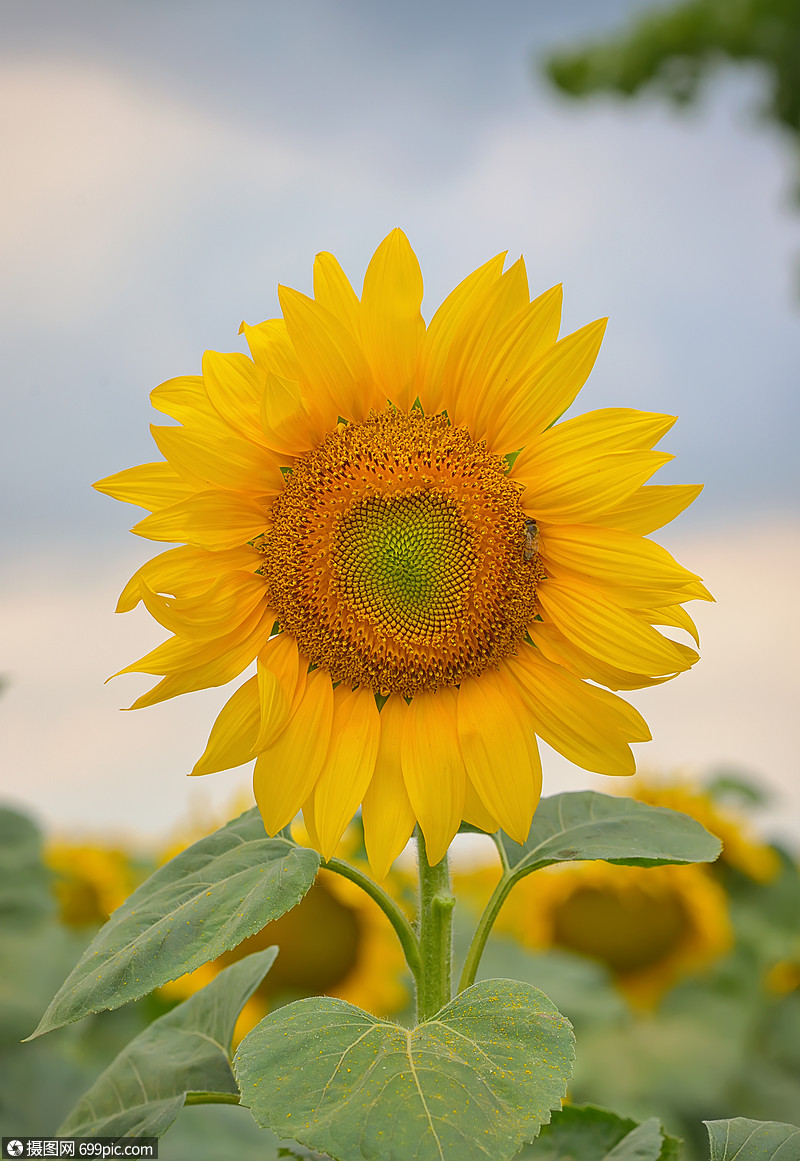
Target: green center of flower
{"x":405,"y":562}
{"x":398,"y":555}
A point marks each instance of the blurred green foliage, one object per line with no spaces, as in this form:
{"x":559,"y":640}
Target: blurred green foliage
{"x":673,"y":49}
{"x":724,"y":1042}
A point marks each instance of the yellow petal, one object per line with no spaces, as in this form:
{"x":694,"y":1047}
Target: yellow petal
{"x":287,"y":423}
{"x":579,"y":486}
{"x":234,"y":732}
{"x":611,"y":556}
{"x":279,"y":679}
{"x":589,"y":726}
{"x":348,"y":766}
{"x":502,"y":301}
{"x":186,"y":571}
{"x":229,"y":657}
{"x":208,"y":461}
{"x":450,"y":319}
{"x":151,"y":486}
{"x":331,"y":360}
{"x":177,"y":653}
{"x":286,"y":771}
{"x":392,"y":326}
{"x":556,"y":647}
{"x":332,"y":290}
{"x":211,"y":520}
{"x":433,"y":769}
{"x":386,"y":811}
{"x":235,"y":386}
{"x":475,"y":813}
{"x":651,"y":508}
{"x":271,"y":348}
{"x":546,"y":390}
{"x":491,"y":722}
{"x":609,"y":429}
{"x":185,"y":398}
{"x":674,"y":615}
{"x":586,"y":616}
{"x":510,"y":355}
{"x":210,"y":614}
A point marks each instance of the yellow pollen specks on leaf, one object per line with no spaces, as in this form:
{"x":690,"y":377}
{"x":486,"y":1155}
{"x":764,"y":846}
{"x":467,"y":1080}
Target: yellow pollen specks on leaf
{"x":396,"y":555}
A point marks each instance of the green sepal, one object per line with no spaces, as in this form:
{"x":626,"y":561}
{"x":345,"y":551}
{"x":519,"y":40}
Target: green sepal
{"x":473,"y":1082}
{"x":205,"y":901}
{"x":186,"y":1051}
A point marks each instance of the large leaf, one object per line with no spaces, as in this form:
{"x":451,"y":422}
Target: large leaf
{"x":586,"y":825}
{"x":142,"y":1091}
{"x":205,"y":901}
{"x":594,"y":1134}
{"x":474,"y":1082}
{"x":740,"y":1139}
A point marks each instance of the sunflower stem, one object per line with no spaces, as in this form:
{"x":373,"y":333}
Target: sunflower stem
{"x":436,"y":903}
{"x":482,"y":931}
{"x":405,"y":932}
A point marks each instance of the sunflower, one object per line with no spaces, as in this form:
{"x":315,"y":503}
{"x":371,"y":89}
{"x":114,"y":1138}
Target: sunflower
{"x":427,"y":568}
{"x":650,"y":926}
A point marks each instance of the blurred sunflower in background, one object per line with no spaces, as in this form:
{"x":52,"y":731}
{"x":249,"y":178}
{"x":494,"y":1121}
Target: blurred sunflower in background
{"x":91,"y":880}
{"x":427,"y":567}
{"x":650,"y":926}
{"x":742,"y":849}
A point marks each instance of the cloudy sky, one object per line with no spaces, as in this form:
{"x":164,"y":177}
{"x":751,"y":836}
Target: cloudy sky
{"x":169,"y":162}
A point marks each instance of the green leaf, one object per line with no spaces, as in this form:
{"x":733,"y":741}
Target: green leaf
{"x":205,"y":901}
{"x":142,"y":1091}
{"x":594,"y":1134}
{"x":586,"y":825}
{"x":747,"y":1140}
{"x":473,"y":1082}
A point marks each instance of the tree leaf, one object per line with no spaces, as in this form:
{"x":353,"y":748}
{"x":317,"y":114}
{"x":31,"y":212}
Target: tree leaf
{"x":205,"y":901}
{"x":587,"y":825}
{"x":472,"y":1083}
{"x":143,"y":1089}
{"x":747,"y":1140}
{"x":594,"y":1134}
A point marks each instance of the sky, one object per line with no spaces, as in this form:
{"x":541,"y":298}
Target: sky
{"x":169,"y":163}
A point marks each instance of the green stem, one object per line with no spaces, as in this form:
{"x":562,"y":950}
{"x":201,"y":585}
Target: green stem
{"x":436,"y":904}
{"x":405,"y":932}
{"x":481,"y":935}
{"x":212,"y":1098}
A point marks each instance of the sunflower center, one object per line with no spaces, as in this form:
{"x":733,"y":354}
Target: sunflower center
{"x":397,"y":555}
{"x":405,"y":562}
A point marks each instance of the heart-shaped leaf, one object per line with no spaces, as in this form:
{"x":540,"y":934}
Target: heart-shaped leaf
{"x":474,"y":1082}
{"x":188,"y":1050}
{"x":205,"y":901}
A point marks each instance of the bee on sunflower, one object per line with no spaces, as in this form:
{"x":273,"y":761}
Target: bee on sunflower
{"x":428,"y":569}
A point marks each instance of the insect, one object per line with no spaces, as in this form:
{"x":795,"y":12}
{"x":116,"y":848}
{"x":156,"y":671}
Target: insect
{"x":531,"y":539}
